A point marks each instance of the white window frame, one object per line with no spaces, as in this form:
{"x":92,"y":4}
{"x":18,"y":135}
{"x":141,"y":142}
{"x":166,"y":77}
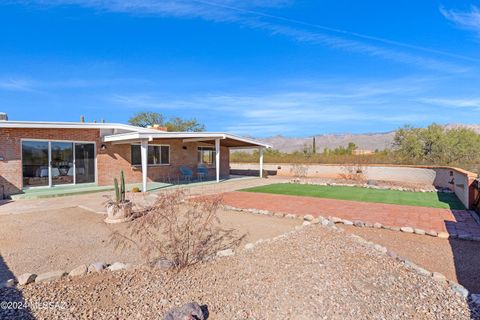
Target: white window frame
{"x":152,"y":145}
{"x":212,"y":165}
{"x":50,"y":184}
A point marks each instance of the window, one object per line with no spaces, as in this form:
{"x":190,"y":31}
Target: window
{"x":206,"y":156}
{"x":157,"y":155}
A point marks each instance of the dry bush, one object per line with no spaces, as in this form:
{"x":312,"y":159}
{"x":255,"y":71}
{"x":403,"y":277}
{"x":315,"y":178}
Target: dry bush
{"x":299,"y":171}
{"x":178,"y":229}
{"x":353,"y":172}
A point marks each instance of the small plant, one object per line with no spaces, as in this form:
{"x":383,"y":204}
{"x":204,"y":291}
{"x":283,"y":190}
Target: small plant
{"x":179,"y":230}
{"x":136,"y":189}
{"x":119,"y":209}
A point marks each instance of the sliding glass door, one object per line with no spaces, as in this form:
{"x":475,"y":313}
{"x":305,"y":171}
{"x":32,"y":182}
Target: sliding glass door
{"x":35,"y":163}
{"x":62,"y":163}
{"x":84,"y":162}
{"x":51,"y":163}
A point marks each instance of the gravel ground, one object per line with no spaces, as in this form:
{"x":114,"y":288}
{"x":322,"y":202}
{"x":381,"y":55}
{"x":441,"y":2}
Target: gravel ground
{"x":62,"y":239}
{"x":315,"y":273}
{"x":458,"y":260}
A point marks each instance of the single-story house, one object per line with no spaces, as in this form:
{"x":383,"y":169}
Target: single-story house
{"x":48,"y":154}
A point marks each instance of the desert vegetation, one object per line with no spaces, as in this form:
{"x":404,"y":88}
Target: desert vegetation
{"x":177,"y":231}
{"x":433,"y":145}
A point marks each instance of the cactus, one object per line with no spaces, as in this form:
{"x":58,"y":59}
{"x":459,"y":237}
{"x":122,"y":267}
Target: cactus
{"x":122,"y":185}
{"x":117,"y":191}
{"x":120,"y":189}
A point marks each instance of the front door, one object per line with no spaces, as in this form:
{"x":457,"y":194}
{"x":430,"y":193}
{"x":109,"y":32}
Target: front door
{"x":62,"y":163}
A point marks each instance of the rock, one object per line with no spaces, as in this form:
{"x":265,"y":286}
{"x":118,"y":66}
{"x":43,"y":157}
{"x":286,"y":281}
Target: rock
{"x":225,"y":253}
{"x":419,"y":231}
{"x":10,"y":283}
{"x":50,"y":276}
{"x":278,"y":215}
{"x":306,"y":223}
{"x":368,"y":225}
{"x":392,"y":254}
{"x":347,"y":222}
{"x":443,"y":235}
{"x":249,"y":246}
{"x":431,"y":233}
{"x":335,"y":220}
{"x":438,"y":276}
{"x":79,"y":271}
{"x":406,"y":229}
{"x":308,"y":217}
{"x":291,"y":216}
{"x":96,"y":267}
{"x":377,"y":225}
{"x":358,"y":223}
{"x":380,"y":248}
{"x":458,"y":288}
{"x":117,"y":266}
{"x":26,"y":278}
{"x":187,"y":312}
{"x":394,"y":228}
{"x":164,"y":264}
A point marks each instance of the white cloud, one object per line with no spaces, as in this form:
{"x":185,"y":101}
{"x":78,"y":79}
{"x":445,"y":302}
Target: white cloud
{"x":473,"y":103}
{"x":16,"y":85}
{"x":468,"y":20}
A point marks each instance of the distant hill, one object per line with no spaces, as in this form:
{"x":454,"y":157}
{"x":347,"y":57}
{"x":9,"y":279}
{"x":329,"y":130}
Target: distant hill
{"x":364,"y":141}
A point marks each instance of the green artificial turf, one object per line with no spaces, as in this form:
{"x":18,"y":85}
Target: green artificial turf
{"x":422,"y":199}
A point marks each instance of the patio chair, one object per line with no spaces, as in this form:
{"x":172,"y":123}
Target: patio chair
{"x":186,"y":173}
{"x":202,"y":171}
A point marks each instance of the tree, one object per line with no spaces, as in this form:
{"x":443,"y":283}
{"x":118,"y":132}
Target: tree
{"x":175,"y":124}
{"x":180,"y":125}
{"x":145,"y":119}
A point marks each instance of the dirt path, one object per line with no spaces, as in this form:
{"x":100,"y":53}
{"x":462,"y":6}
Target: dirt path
{"x":65,"y":238}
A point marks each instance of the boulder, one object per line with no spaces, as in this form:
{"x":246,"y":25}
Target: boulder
{"x":461,"y":290}
{"x":306,"y":223}
{"x":335,"y":220}
{"x":431,"y":233}
{"x":187,"y":312}
{"x":50,"y":276}
{"x":79,"y":271}
{"x":377,"y":225}
{"x":249,"y":246}
{"x":26,"y":278}
{"x":96,"y":267}
{"x":225,"y":253}
{"x":358,"y":223}
{"x":407,"y":229}
{"x":419,"y":231}
{"x":308,"y":217}
{"x":443,"y":235}
{"x":291,"y":216}
{"x":117,"y":266}
{"x":438,"y":276}
{"x":347,"y":222}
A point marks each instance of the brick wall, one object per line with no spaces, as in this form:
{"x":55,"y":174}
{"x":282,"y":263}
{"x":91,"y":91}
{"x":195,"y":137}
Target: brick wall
{"x":117,"y":157}
{"x":109,"y":162}
{"x":11,"y":151}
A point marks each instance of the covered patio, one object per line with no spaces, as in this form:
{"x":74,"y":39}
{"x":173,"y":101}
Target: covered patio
{"x":219,"y":141}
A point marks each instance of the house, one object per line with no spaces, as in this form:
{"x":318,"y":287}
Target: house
{"x":48,"y":154}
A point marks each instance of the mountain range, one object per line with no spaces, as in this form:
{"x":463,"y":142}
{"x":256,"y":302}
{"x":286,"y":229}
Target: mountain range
{"x":364,"y":141}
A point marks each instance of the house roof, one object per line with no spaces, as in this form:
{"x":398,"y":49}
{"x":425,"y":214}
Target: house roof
{"x":135,"y":134}
{"x":72,"y":125}
{"x":228,"y":140}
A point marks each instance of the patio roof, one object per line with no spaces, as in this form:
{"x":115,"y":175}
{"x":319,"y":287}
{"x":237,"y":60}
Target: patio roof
{"x":226,"y":139}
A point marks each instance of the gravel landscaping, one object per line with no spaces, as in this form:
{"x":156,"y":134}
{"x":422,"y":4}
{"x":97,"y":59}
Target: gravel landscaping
{"x":313,"y":273}
{"x":63,"y":239}
{"x":458,"y":260}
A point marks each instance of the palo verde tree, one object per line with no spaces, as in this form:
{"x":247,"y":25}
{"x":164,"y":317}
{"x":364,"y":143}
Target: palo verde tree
{"x":174,"y":124}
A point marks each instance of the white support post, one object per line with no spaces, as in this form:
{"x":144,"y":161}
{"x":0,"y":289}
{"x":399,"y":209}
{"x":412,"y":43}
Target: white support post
{"x":144,"y":154}
{"x":217,"y":159}
{"x":261,"y":162}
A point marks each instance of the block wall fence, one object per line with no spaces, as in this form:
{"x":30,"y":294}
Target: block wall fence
{"x":458,"y":180}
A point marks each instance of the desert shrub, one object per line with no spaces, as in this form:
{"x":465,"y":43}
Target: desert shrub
{"x":178,"y":229}
{"x":353,"y":172}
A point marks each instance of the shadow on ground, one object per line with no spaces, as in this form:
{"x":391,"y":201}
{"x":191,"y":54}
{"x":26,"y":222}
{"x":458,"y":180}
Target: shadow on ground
{"x":12,"y":303}
{"x":451,"y":200}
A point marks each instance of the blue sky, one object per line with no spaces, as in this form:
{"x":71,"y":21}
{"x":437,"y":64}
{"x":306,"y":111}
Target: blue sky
{"x":251,"y":67}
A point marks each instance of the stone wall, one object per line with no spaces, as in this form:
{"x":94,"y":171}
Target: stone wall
{"x":457,"y":180}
